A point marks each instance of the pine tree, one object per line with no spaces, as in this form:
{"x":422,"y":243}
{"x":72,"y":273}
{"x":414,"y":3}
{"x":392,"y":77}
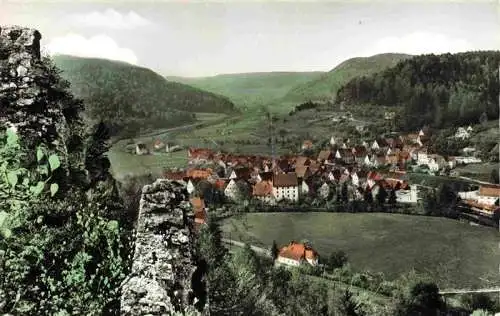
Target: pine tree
{"x":274,"y":250}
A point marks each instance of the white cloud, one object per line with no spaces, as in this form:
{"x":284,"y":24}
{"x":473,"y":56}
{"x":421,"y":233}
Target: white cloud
{"x":100,"y":46}
{"x":109,"y":18}
{"x":419,"y":43}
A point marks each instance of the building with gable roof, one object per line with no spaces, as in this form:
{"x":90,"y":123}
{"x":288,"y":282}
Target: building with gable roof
{"x":286,"y":186}
{"x":295,"y":254}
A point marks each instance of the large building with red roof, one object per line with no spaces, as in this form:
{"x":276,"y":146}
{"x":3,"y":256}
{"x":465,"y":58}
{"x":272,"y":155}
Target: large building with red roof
{"x":295,"y":254}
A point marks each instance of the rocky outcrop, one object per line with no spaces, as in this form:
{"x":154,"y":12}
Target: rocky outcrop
{"x":162,"y":280}
{"x":25,"y":97}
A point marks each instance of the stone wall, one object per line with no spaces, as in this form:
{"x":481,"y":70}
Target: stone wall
{"x":164,"y":277}
{"x":25,"y":99}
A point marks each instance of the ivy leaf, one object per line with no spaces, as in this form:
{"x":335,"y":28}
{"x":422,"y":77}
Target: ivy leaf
{"x":12,"y":178}
{"x":54,"y":162}
{"x":3,"y":217}
{"x":54,"y":187}
{"x":11,"y":137}
{"x":38,"y":188}
{"x":5,"y":232}
{"x":39,"y":154}
{"x":113,"y":226}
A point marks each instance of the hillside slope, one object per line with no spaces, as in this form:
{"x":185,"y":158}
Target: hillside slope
{"x":325,"y":87}
{"x":250,"y":89}
{"x":131,"y":96}
{"x":440,"y":90}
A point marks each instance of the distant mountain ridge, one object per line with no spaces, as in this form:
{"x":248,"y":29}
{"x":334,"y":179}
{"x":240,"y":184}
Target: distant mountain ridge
{"x":250,"y":89}
{"x":325,"y":87}
{"x":129,"y":96}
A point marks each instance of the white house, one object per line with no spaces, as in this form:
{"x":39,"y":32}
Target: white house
{"x":375,"y":145}
{"x":324,"y":191}
{"x":285,"y":186}
{"x":462,"y":133}
{"x":469,"y":129}
{"x":304,"y":188}
{"x":467,"y":160}
{"x":263,"y":191}
{"x":407,"y":196}
{"x":141,"y":149}
{"x":488,"y":194}
{"x":365,"y":144}
{"x":354,"y":178}
{"x":433,"y":165}
{"x":469,"y":195}
{"x":367,"y":161}
{"x":296,"y":254}
{"x":232,"y":191}
{"x":332,"y":141}
{"x":190,"y":187}
{"x":422,"y":158}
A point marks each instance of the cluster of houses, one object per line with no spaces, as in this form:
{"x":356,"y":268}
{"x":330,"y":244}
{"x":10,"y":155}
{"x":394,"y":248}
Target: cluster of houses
{"x":271,"y":180}
{"x":157,"y":146}
{"x":484,"y":200}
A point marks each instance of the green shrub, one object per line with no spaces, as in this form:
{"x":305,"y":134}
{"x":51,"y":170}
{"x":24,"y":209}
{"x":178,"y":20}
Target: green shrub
{"x":59,"y":253}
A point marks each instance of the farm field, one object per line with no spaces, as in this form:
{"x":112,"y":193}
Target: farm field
{"x":455,"y":254}
{"x":480,"y":171}
{"x":126,"y":164}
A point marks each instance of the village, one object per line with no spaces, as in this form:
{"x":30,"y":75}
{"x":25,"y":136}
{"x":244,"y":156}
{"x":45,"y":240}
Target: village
{"x":372,"y":170}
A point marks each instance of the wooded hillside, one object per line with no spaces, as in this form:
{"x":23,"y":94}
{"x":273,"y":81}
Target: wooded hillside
{"x":441,"y":90}
{"x":129,"y":96}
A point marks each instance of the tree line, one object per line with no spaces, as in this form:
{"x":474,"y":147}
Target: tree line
{"x":439,"y":90}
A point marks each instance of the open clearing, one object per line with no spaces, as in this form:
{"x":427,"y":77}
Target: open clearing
{"x":123,"y":163}
{"x":454,"y":254}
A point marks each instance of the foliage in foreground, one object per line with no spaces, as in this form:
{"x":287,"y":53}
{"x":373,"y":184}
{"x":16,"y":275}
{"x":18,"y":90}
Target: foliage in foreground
{"x":63,"y":246}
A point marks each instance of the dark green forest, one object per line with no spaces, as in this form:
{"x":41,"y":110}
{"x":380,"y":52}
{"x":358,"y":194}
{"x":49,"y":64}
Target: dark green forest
{"x":127,"y":96}
{"x":439,"y":90}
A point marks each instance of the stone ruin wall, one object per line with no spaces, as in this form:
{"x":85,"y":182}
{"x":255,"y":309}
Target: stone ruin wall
{"x":164,"y":277}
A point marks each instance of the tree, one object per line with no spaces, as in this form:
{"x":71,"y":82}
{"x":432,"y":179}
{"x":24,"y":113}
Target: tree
{"x":479,"y":301}
{"x":422,"y":299}
{"x":337,"y":259}
{"x":392,"y":197}
{"x":494,"y":176}
{"x":347,"y":306}
{"x":274,"y":250}
{"x":381,"y":195}
{"x":344,"y":193}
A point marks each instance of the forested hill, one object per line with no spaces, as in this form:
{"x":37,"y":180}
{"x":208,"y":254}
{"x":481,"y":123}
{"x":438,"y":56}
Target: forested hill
{"x":441,"y":90}
{"x":129,"y":96}
{"x":325,"y":86}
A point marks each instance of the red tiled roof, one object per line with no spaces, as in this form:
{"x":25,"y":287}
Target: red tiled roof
{"x":199,"y":173}
{"x":263,"y":188}
{"x":220,"y":184}
{"x":490,"y":190}
{"x":298,"y":251}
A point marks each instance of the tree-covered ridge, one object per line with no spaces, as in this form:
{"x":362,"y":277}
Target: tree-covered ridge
{"x":127,"y":95}
{"x":325,"y":87}
{"x":441,"y":90}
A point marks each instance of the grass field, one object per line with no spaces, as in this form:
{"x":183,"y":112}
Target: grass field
{"x":123,"y":163}
{"x":455,"y":254}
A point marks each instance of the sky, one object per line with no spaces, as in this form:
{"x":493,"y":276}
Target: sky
{"x":195,"y":38}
